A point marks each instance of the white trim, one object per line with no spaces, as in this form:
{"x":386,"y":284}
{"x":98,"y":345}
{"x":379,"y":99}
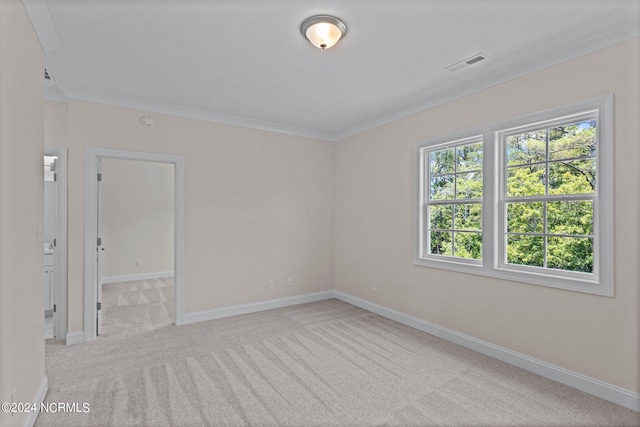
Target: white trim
{"x":134,"y":277}
{"x":603,"y":284}
{"x":42,"y":393}
{"x":89,"y":95}
{"x":74,"y":338}
{"x":595,"y":387}
{"x":42,"y":25}
{"x":61,"y":245}
{"x":601,"y":280}
{"x":424,"y":238}
{"x":92,"y":155}
{"x":52,"y":92}
{"x":234,"y":310}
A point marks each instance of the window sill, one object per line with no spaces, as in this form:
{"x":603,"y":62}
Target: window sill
{"x":526,"y":277}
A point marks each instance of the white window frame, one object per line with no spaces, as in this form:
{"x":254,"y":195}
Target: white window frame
{"x":601,"y":282}
{"x":425,"y":242}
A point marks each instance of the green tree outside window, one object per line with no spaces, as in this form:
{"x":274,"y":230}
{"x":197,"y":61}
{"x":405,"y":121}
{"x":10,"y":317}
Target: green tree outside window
{"x":455,"y":201}
{"x":550,"y":184}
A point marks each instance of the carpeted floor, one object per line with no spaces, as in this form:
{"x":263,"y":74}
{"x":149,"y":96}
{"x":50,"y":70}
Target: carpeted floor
{"x":137,"y":306}
{"x":321,"y":364}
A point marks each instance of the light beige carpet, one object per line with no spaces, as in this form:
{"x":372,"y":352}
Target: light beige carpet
{"x":137,"y":306}
{"x":321,"y":364}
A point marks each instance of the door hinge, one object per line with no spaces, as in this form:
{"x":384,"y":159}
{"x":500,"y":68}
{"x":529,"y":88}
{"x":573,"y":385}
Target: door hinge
{"x":54,"y":308}
{"x":99,"y":177}
{"x":55,"y":177}
{"x":99,"y":306}
{"x":55,"y":243}
{"x":99,"y":241}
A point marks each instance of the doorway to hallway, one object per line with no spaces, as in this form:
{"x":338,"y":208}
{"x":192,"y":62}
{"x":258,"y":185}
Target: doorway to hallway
{"x":94,"y":240}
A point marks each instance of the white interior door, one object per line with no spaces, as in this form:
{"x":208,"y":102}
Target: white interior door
{"x":99,"y":249}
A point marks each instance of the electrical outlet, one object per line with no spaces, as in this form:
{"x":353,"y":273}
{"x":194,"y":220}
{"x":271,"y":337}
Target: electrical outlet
{"x":374,"y":287}
{"x":272,"y":283}
{"x":138,"y":263}
{"x":290,"y":281}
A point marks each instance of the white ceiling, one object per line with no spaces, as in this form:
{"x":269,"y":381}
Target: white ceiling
{"x":245,"y":62}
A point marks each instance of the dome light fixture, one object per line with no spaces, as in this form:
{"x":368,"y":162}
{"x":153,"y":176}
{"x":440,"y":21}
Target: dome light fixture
{"x":323,"y":31}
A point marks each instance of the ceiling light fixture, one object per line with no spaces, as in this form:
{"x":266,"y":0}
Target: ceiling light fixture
{"x":323,"y":31}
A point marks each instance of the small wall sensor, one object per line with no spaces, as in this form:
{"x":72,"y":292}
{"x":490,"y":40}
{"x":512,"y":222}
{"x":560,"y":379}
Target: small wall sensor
{"x":147,"y":122}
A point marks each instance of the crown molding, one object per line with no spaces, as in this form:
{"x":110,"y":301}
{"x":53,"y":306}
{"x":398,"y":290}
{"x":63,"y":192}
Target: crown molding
{"x":41,"y":21}
{"x":193,"y":113}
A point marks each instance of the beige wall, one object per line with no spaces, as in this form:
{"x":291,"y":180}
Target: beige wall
{"x":137,"y":217}
{"x":374,"y":227}
{"x":56,"y":116}
{"x":258,"y":205}
{"x":21,"y":210}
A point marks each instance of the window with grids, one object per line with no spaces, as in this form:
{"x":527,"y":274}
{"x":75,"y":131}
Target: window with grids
{"x":549,"y":195}
{"x":529,"y":199}
{"x":453,"y":205}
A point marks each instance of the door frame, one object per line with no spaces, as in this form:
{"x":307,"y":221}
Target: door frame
{"x":60,"y":257}
{"x":99,"y":248}
{"x":92,"y":154}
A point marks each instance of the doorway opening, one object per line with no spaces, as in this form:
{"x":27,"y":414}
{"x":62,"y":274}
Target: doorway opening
{"x":135,"y":260}
{"x":97,"y":246}
{"x":55,"y":243}
{"x":50,"y":243}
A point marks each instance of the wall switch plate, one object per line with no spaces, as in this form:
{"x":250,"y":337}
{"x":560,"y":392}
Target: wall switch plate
{"x":272,"y":283}
{"x":374,"y":287}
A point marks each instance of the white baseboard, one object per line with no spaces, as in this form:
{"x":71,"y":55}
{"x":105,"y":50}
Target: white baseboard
{"x":42,"y":393}
{"x":601,"y":389}
{"x":74,"y":338}
{"x":134,"y":277}
{"x":218,"y":313}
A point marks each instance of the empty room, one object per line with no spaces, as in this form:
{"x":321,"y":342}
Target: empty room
{"x":336,"y":213}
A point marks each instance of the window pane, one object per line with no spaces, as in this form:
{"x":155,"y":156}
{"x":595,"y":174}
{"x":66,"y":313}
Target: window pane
{"x":469,"y":157}
{"x":576,"y":177}
{"x":570,"y":253}
{"x":468,"y":217}
{"x":441,"y":243}
{"x":525,"y":217}
{"x":469,"y":185}
{"x":525,"y":181}
{"x":525,"y":250}
{"x":570,"y":217}
{"x":529,"y":147}
{"x":442,"y":162}
{"x":571,"y":141}
{"x":468,"y":245}
{"x":441,"y":217}
{"x":442,"y":187}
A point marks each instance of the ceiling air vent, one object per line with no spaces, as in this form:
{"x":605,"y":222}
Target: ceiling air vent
{"x":466,"y":63}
